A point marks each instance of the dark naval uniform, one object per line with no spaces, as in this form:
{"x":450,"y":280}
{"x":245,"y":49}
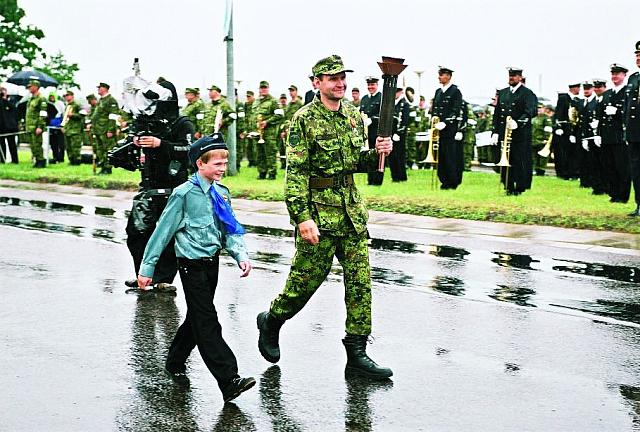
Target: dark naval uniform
{"x":447,"y":106}
{"x":632,"y":127}
{"x":521,"y":106}
{"x":370,"y":105}
{"x":398,"y":158}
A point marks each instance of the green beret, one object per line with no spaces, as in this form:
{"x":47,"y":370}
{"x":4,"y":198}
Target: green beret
{"x":216,"y":88}
{"x":250,"y":93}
{"x":194,"y":90}
{"x":329,"y":66}
{"x":264,"y":84}
{"x":105,"y":85}
{"x":33,"y":82}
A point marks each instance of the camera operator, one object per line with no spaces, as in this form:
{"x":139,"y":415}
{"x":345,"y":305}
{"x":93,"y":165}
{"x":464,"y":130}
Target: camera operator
{"x":164,"y":139}
{"x":8,"y":125}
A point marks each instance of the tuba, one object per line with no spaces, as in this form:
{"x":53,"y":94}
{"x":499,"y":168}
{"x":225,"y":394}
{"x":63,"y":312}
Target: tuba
{"x":546,"y":150}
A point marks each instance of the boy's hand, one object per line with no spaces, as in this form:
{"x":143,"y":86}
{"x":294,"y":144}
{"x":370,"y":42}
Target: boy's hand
{"x":245,"y":266}
{"x":144,"y":282}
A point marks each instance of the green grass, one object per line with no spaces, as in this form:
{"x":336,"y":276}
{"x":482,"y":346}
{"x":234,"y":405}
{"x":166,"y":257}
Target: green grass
{"x":551,"y":201}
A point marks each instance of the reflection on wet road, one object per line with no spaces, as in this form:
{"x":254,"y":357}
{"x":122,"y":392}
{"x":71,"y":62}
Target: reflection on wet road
{"x":550,"y":336}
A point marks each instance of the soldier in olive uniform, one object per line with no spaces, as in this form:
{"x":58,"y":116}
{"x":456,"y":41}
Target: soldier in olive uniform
{"x":247,"y":129}
{"x":36,"y":122}
{"x":72,"y":127}
{"x":217,"y":103}
{"x":541,"y":130}
{"x":469,"y":134}
{"x":268,"y":116}
{"x":88,"y":137}
{"x":195,"y":109}
{"x":324,"y":149}
{"x":289,"y":110}
{"x":412,"y":128}
{"x":104,"y":126}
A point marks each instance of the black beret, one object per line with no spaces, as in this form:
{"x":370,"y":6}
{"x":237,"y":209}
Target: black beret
{"x":209,"y":142}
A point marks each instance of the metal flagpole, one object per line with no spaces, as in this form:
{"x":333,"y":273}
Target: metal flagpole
{"x":231,"y":94}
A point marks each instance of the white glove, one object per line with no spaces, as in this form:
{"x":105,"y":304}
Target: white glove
{"x":83,"y":112}
{"x":594,"y":124}
{"x":418,"y":118}
{"x":494,"y":139}
{"x":585,"y":144}
{"x":597,"y":140}
{"x":278,"y":111}
{"x":412,"y":114}
{"x":233,"y":115}
{"x":395,"y":137}
{"x":441,"y":125}
{"x":610,"y":110}
{"x":458,"y":136}
{"x":512,"y":124}
{"x":367,"y":121}
{"x":200,"y":116}
{"x":114,"y":117}
{"x":43,"y":113}
{"x":548,"y":129}
{"x":572,"y":139}
{"x":241,"y":114}
{"x":559,"y":132}
{"x":472,"y":122}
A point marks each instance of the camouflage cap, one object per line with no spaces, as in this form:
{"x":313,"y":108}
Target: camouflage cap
{"x":250,"y":93}
{"x":91,"y":96}
{"x":550,"y":107}
{"x":192,"y":90}
{"x":329,"y":66}
{"x":293,"y":87}
{"x":355,"y":89}
{"x":68,"y":93}
{"x":215,"y":87}
{"x":105,"y":85}
{"x":283,"y":96}
{"x":264,"y":84}
{"x":33,"y":82}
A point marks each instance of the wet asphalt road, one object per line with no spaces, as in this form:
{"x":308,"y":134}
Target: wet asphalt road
{"x":490,"y":334}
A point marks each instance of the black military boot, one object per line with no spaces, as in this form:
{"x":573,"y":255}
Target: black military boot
{"x":358,"y":362}
{"x":268,"y":341}
{"x":636,"y":212}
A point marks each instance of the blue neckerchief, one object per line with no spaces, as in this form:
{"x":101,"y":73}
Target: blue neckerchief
{"x":221,"y":209}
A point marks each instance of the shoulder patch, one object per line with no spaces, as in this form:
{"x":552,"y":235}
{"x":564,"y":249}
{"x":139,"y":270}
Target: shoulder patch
{"x":293,"y":139}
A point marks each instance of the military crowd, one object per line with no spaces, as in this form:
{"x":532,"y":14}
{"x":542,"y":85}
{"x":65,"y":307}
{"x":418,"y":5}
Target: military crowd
{"x":590,"y":136}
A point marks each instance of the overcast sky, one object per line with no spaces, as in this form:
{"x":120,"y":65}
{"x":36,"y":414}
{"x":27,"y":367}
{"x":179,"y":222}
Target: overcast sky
{"x":555,"y":41}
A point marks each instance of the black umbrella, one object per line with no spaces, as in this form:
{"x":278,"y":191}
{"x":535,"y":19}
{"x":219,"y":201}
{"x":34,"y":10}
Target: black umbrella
{"x":22,"y":78}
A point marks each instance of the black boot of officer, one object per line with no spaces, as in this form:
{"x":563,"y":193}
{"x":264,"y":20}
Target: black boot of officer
{"x":269,"y":339}
{"x":358,"y":362}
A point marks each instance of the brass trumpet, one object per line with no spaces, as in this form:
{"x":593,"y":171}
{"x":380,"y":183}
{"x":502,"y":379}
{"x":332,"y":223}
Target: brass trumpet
{"x":506,"y":151}
{"x":260,"y":129}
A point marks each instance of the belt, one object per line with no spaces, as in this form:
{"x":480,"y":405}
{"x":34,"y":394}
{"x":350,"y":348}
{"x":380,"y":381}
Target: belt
{"x":208,"y":259}
{"x":329,"y":182}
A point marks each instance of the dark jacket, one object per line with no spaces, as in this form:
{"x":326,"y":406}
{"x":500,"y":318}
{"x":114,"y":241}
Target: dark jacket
{"x":612,"y":126}
{"x":8,"y":116}
{"x":632,"y":109}
{"x":447,"y":106}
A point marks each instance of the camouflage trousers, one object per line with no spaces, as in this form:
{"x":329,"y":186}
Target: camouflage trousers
{"x":35,"y":143}
{"x":241,"y":145}
{"x":539,"y":162}
{"x":267,"y":153}
{"x":74,"y":143}
{"x":310,"y":267}
{"x":468,"y":154}
{"x":103,"y":145}
{"x":411,"y":151}
{"x":250,"y":150}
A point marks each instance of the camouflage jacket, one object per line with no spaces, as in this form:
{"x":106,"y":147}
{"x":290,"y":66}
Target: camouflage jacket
{"x":538,"y":123}
{"x":469,"y":130}
{"x":289,"y":111}
{"x":209,"y":121}
{"x":195,"y":111}
{"x":322,"y":143}
{"x":265,"y":107}
{"x":246,"y":120}
{"x":100,"y":121}
{"x":72,"y":120}
{"x":36,"y":115}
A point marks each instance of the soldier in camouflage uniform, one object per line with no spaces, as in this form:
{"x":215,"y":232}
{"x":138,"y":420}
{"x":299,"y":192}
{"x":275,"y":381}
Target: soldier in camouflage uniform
{"x":469,"y":135}
{"x":104,"y":126}
{"x":541,"y":129}
{"x":88,"y":137}
{"x":268,"y":115}
{"x":36,"y":122}
{"x":246,"y":130}
{"x":413,"y":127}
{"x":72,"y":127}
{"x":324,"y":149}
{"x":217,"y":103}
{"x":195,"y":109}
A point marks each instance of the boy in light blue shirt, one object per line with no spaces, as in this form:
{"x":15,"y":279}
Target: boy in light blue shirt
{"x":200,"y":217}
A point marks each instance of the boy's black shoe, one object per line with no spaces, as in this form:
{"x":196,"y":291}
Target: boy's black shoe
{"x":236,"y":387}
{"x":180,"y":378}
